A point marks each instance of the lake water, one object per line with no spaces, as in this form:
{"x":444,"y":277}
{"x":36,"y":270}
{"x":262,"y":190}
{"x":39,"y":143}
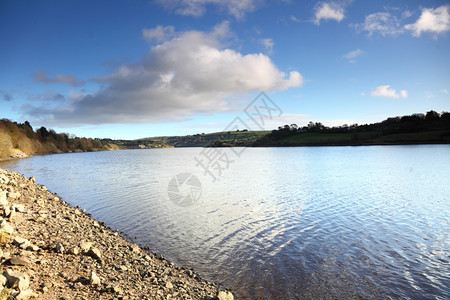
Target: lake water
{"x":278,"y":223}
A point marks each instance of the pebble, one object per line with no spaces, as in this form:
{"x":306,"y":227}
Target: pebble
{"x":95,"y":280}
{"x":3,"y":201}
{"x":19,"y":261}
{"x":59,"y":248}
{"x":18,"y":207}
{"x":3,"y":280}
{"x":6,"y":227}
{"x":21,"y":242}
{"x":85,"y":246}
{"x":13,"y":195}
{"x":224,"y":295}
{"x":22,"y":281}
{"x":94,"y":253}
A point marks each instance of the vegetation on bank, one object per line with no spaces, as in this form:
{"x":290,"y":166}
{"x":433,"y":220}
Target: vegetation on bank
{"x":429,"y":128}
{"x":235,"y":138}
{"x":16,"y":137}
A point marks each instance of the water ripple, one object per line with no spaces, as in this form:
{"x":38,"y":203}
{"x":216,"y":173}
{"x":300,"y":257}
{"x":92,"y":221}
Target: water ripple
{"x":285,"y":223}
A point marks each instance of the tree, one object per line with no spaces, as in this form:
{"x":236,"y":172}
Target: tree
{"x":431,"y":115}
{"x":42,"y":132}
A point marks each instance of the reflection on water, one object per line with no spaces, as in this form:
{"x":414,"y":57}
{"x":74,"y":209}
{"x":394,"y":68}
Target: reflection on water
{"x":312,"y":222}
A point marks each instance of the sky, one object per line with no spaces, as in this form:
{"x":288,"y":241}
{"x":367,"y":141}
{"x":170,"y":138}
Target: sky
{"x":126,"y":69}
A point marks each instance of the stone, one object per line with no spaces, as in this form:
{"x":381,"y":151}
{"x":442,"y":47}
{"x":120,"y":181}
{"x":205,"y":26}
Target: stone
{"x":78,"y":285}
{"x":33,"y":248}
{"x":32,"y":179}
{"x":19,"y":261}
{"x":13,"y":195}
{"x":4,"y":179}
{"x":123,"y":268}
{"x":7,"y":211}
{"x":117,"y":289}
{"x":94,"y":253}
{"x":169,"y":285}
{"x":12,"y":214}
{"x":3,"y":280}
{"x":22,"y":281}
{"x":134,"y":248}
{"x":21,"y":242}
{"x":74,"y":250}
{"x":224,"y":295}
{"x":3,"y":201}
{"x":26,"y":294}
{"x":6,"y":227}
{"x":85,"y":246}
{"x":18,"y":207}
{"x":95,"y":280}
{"x":59,"y":248}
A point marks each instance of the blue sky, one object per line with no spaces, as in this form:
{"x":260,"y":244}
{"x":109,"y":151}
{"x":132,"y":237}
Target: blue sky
{"x":132,"y":69}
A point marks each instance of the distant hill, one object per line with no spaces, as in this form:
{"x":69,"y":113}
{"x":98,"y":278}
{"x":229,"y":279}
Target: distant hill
{"x":227,"y":138}
{"x":429,"y":128}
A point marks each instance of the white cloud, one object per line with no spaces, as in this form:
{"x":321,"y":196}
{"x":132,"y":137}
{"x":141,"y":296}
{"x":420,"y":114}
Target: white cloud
{"x":189,"y":74}
{"x":382,"y":23}
{"x":387,"y":92}
{"x":237,"y":8}
{"x":404,"y":94}
{"x":352,"y":55}
{"x":389,"y":23}
{"x":444,"y":91}
{"x":294,"y":19}
{"x":268,"y":44}
{"x":159,"y":33}
{"x":328,"y":11}
{"x":429,"y":95}
{"x":431,"y":20}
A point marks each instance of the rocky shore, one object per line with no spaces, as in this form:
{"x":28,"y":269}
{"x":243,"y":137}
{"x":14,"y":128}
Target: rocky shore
{"x":50,"y":250}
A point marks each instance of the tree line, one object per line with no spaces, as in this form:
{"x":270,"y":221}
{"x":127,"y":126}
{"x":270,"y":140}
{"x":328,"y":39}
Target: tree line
{"x":435,"y":125}
{"x":21,"y":136}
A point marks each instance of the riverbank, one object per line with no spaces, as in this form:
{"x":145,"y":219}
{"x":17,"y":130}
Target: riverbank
{"x":50,"y":250}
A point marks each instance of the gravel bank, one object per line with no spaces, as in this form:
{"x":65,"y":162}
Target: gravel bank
{"x":50,"y":250}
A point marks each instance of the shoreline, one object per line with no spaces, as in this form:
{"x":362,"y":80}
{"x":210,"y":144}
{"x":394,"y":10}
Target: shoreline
{"x":51,"y":250}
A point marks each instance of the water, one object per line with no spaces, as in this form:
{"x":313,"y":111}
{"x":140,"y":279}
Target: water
{"x":279,"y":223}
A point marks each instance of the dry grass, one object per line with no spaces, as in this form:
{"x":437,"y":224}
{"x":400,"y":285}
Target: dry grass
{"x":5,"y":144}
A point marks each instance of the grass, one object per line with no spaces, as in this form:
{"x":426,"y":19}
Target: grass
{"x":4,"y":238}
